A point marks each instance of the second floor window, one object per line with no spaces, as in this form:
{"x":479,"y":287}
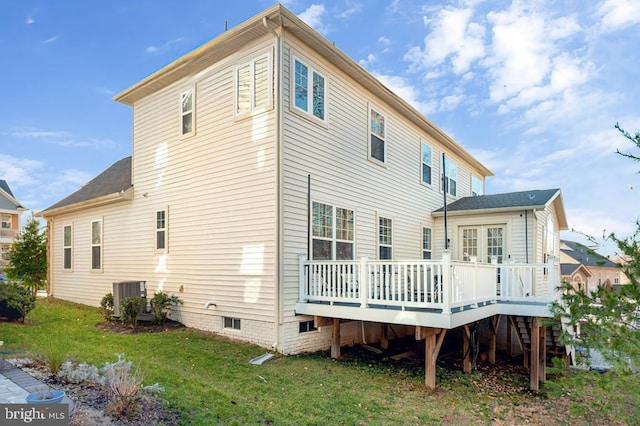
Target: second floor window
{"x":426,"y":163}
{"x":96,"y":245}
{"x":450,"y":181}
{"x":6,"y":221}
{"x":187,"y":112}
{"x":67,"y":247}
{"x":477,"y":187}
{"x":309,"y":90}
{"x":377,"y":142}
{"x":253,"y":90}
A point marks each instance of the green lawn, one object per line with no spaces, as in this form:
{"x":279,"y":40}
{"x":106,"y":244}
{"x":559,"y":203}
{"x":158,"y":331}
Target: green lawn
{"x":209,"y":380}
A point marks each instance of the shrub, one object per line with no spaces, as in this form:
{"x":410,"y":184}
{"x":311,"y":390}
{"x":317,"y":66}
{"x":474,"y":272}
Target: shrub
{"x":16,"y":301}
{"x":160,"y":306}
{"x":129,"y":309}
{"x":80,"y":373}
{"x":106,"y":306}
{"x":121,"y":383}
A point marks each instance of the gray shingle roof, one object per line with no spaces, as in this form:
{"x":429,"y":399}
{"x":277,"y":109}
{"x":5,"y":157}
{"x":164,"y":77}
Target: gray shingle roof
{"x":534,"y":198}
{"x":5,"y":187}
{"x":585,"y":255}
{"x":113,"y":180}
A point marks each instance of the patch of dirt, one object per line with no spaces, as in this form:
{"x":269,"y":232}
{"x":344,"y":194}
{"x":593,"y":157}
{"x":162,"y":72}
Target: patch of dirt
{"x":142,"y":327}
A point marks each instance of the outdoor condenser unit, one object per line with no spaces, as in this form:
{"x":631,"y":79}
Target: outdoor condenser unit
{"x":124,"y":289}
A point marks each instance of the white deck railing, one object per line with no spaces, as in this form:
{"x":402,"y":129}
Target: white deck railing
{"x":425,"y":284}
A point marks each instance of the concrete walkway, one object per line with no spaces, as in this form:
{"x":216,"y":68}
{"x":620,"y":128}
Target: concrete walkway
{"x":15,"y":385}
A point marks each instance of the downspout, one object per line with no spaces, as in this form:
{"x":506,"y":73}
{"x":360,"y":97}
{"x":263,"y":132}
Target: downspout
{"x":526,"y":238}
{"x":279,"y":299}
{"x":50,"y":257}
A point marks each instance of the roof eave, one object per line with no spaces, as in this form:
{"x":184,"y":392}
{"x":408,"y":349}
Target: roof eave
{"x":485,"y":211}
{"x":124,"y":195}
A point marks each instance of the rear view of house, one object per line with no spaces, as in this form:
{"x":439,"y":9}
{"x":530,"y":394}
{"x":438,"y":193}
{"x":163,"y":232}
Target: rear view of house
{"x":276,"y":187}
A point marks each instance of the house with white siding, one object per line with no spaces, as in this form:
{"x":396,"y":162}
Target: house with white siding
{"x":10,"y":211}
{"x":290,"y":199}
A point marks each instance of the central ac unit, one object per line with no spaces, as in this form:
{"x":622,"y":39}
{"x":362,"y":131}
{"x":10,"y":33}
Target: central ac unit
{"x":124,"y":289}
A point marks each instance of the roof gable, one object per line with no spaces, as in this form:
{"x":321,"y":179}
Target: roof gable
{"x":584,"y":255}
{"x":7,"y":199}
{"x":114,"y":181}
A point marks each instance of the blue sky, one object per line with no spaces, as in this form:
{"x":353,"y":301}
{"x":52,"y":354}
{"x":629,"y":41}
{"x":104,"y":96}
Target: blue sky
{"x":531,"y":88}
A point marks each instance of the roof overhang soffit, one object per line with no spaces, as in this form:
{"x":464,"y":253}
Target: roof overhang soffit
{"x":116,"y":197}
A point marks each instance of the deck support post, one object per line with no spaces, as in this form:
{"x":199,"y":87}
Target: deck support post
{"x":432,"y":344}
{"x":493,"y":338}
{"x":466,"y":352}
{"x":384,"y":339}
{"x":335,"y":339}
{"x":538,"y":354}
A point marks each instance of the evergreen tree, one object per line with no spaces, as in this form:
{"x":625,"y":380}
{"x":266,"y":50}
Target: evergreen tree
{"x":608,"y":319}
{"x":28,"y":256}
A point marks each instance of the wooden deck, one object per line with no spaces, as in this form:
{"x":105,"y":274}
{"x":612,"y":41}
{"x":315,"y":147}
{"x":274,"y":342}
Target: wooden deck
{"x":432,"y":295}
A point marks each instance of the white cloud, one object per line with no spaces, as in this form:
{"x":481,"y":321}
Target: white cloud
{"x":370,"y":59}
{"x":350,"y":11}
{"x":60,"y":138}
{"x":18,"y":172}
{"x":403,"y":88}
{"x":618,"y":14}
{"x":314,"y":16}
{"x":164,"y":47}
{"x":50,"y":40}
{"x":452,"y":36}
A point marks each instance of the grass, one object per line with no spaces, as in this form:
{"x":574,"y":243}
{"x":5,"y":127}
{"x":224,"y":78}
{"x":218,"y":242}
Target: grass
{"x":209,"y":380}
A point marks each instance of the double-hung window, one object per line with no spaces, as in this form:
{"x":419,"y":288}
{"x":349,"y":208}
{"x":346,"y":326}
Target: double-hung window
{"x":6,"y":221}
{"x":377,"y":136}
{"x":309,"y":90}
{"x":96,"y":245}
{"x":332,"y":232}
{"x":426,"y":163}
{"x":67,"y":247}
{"x":253,"y":88}
{"x":477,"y":187}
{"x":385,"y":238}
{"x":187,"y":108}
{"x":450,"y":181}
{"x":161,"y":230}
{"x":426,"y":242}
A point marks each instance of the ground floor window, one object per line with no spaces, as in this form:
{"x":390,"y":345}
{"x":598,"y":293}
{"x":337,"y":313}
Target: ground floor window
{"x":332,"y":232}
{"x":306,"y":326}
{"x":426,"y":242}
{"x":233,"y":323}
{"x":385,"y":238}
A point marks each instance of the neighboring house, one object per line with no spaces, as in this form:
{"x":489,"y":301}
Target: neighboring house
{"x":584,"y":268}
{"x":291,"y":200}
{"x":10,"y":211}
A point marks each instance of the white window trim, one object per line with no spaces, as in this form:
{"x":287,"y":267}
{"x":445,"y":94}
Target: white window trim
{"x":70,"y":225}
{"x":7,"y":216}
{"x":165,"y":229}
{"x":422,"y":249}
{"x":92,"y":245}
{"x":378,"y":244}
{"x":457,"y":180}
{"x":474,"y":176}
{"x":384,"y":115}
{"x":192,"y":133}
{"x":334,"y":239}
{"x":233,"y":322}
{"x":253,"y":110}
{"x":292,"y":91}
{"x":422,"y":143}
